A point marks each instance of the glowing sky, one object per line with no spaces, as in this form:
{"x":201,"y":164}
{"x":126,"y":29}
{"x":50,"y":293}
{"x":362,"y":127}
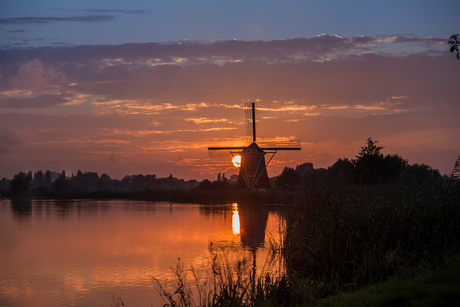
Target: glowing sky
{"x":145,"y":87}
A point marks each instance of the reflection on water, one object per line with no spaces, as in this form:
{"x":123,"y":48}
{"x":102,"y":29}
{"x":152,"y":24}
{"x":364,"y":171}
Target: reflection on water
{"x":235,"y":220}
{"x":82,"y":252}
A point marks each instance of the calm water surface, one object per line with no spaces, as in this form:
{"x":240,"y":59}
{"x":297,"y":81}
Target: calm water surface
{"x":85,"y":252}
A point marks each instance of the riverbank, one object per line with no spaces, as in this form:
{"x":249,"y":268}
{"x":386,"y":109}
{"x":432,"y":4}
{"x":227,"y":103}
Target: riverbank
{"x":197,"y":195}
{"x":433,"y":288}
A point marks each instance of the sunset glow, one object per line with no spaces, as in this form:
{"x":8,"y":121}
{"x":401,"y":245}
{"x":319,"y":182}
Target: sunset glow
{"x":236,"y":161}
{"x":80,"y":91}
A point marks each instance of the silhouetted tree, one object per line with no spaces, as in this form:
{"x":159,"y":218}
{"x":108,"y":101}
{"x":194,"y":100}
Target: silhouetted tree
{"x":205,"y":184}
{"x":62,"y":184}
{"x":304,"y":168}
{"x":419,"y":174}
{"x":393,"y":166}
{"x":126,"y":179}
{"x":38,"y":179}
{"x":454,"y":42}
{"x":369,"y":163}
{"x":288,"y":178}
{"x":341,"y":168}
{"x":21,"y":184}
{"x":48,"y":178}
{"x":104,"y":180}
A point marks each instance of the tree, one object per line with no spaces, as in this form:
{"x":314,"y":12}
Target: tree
{"x":419,"y":174}
{"x":21,"y":184}
{"x":369,"y":163}
{"x":205,"y":184}
{"x":38,"y":179}
{"x":288,"y":178}
{"x":342,"y":167}
{"x":393,"y":166}
{"x":304,"y":168}
{"x":454,"y":42}
{"x":48,"y":178}
{"x":62,"y":184}
{"x":104,"y":180}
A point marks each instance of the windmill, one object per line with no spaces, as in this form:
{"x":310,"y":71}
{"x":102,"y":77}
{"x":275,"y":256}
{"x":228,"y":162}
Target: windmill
{"x":252,"y":166}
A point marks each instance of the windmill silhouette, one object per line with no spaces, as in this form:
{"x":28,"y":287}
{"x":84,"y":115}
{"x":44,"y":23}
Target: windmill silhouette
{"x":253,"y":169}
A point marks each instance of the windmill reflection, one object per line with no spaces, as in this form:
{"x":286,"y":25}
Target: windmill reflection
{"x":252,"y":222}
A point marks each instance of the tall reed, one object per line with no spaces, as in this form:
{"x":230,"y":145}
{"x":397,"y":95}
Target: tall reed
{"x":230,"y":282}
{"x":340,"y":237}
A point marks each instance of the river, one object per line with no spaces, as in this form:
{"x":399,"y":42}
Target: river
{"x":87,"y":252}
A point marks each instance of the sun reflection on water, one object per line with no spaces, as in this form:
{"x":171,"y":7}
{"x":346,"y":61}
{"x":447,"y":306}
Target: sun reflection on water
{"x":235,"y":219}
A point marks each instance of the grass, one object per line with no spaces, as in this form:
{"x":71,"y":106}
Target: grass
{"x":433,"y":288}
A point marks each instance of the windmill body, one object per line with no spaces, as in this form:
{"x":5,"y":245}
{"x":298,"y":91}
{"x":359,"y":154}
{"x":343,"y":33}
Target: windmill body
{"x":253,"y":170}
{"x":253,"y":167}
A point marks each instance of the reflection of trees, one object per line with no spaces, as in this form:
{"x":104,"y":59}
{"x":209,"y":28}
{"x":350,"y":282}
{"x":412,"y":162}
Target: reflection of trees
{"x":21,"y":207}
{"x":217,"y":210}
{"x":64,"y":208}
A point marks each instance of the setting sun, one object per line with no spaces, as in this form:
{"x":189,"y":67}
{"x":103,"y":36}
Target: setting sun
{"x":236,"y":161}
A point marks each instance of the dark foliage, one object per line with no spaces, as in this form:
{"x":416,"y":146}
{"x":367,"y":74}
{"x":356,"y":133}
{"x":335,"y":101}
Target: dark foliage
{"x":21,"y":184}
{"x":288,"y":178}
{"x":454,"y":42}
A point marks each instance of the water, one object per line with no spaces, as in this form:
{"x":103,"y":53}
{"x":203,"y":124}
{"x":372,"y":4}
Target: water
{"x":85,"y":252}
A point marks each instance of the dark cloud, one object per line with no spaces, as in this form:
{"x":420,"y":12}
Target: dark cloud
{"x":423,"y":40}
{"x":112,"y":11}
{"x":362,"y":39}
{"x":41,"y":101}
{"x":8,"y":139}
{"x":196,"y":51}
{"x":45,"y":20}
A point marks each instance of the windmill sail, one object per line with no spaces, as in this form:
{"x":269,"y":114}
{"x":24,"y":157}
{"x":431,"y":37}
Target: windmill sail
{"x":253,"y":168}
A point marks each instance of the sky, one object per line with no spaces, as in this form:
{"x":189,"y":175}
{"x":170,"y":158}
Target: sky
{"x":145,"y":87}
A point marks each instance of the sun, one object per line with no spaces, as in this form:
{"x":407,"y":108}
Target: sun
{"x":236,"y":161}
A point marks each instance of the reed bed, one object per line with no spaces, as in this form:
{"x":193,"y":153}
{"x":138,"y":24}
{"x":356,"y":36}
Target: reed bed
{"x":341,"y":238}
{"x":228,"y":281}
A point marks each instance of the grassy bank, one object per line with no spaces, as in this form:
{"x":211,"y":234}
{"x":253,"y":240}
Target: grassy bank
{"x":433,"y":288}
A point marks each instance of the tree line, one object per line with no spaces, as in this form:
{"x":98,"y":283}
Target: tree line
{"x":370,"y":167}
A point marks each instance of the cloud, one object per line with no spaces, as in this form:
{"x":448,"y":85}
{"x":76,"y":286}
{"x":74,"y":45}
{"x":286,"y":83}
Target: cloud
{"x":33,"y":75}
{"x":8,"y":139}
{"x":109,"y":11}
{"x":138,"y":102}
{"x":46,"y":20}
{"x":39,"y":101}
